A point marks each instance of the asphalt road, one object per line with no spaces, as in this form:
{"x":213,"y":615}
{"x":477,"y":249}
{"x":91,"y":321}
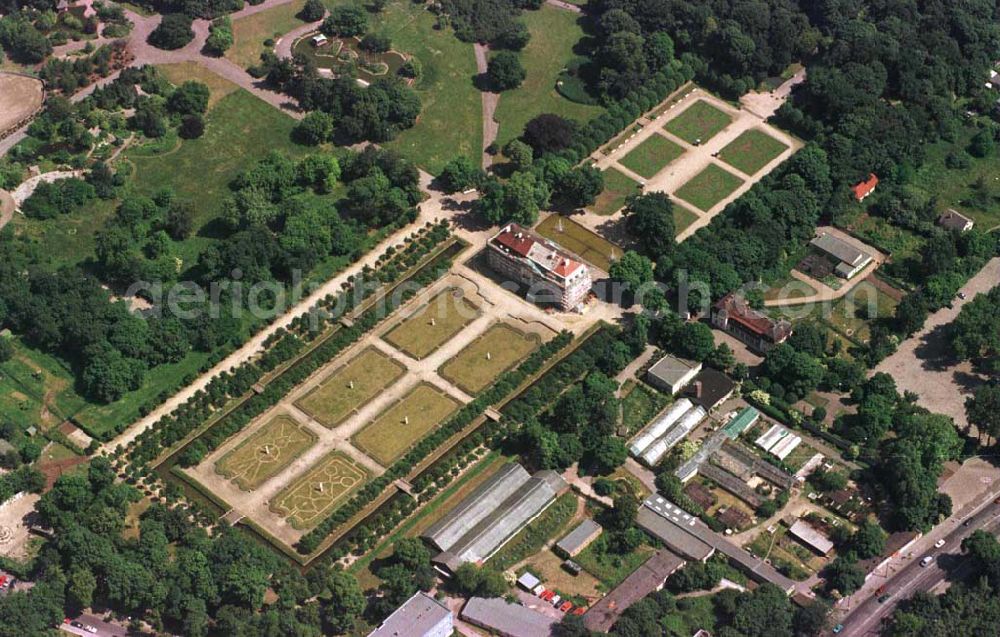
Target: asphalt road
{"x":104,"y":629}
{"x":865,"y":619}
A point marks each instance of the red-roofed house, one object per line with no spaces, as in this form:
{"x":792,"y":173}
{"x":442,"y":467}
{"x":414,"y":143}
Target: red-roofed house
{"x":551,"y":273}
{"x":864,"y":188}
{"x":734,"y":315}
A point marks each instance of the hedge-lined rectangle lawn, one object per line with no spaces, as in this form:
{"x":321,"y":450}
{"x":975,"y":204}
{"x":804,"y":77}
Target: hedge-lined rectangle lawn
{"x":698,"y":123}
{"x":403,"y":424}
{"x":266,"y":452}
{"x":315,"y":494}
{"x":580,"y":240}
{"x":617,"y":187}
{"x":651,"y":156}
{"x":683,"y":217}
{"x":709,"y":187}
{"x":751,"y":151}
{"x":498,"y":349}
{"x":434,"y":324}
{"x":350,"y":387}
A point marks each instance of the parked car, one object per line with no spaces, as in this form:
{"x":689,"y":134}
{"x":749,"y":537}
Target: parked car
{"x":90,"y":629}
{"x":566,"y":607}
{"x":881,"y":600}
{"x":927,"y":560}
{"x":939,"y":543}
{"x":838,"y":628}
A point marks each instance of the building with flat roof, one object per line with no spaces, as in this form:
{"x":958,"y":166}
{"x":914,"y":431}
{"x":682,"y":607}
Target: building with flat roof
{"x":552,"y":274}
{"x":485,"y":520}
{"x":419,"y":616}
{"x":849,"y":260}
{"x":710,"y":388}
{"x":644,"y":580}
{"x":671,"y":374}
{"x":952,"y":219}
{"x":811,"y":537}
{"x":579,"y":538}
{"x":732,"y":314}
{"x":507,"y":620}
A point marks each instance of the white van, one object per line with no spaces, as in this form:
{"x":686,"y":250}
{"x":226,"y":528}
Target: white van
{"x":927,"y":560}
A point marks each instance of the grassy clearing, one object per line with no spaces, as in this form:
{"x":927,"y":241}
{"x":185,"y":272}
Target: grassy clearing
{"x":698,"y":123}
{"x":789,"y":288}
{"x":35,"y":389}
{"x":956,"y":188}
{"x":218,"y":87}
{"x":609,"y":567}
{"x":554,"y":33}
{"x":639,"y":406}
{"x":497,"y":350}
{"x":351,"y":386}
{"x":579,"y":240}
{"x":450,"y":121}
{"x":751,"y":151}
{"x":319,"y":491}
{"x":250,"y":32}
{"x":709,"y":187}
{"x":434,"y":324}
{"x":651,"y":156}
{"x":400,"y":426}
{"x":617,"y":188}
{"x":263,"y":454}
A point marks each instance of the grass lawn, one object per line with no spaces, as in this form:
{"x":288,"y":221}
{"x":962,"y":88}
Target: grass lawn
{"x":640,"y":405}
{"x":319,"y":491}
{"x":218,"y":86}
{"x":700,"y":121}
{"x":400,"y":426}
{"x":554,"y":33}
{"x":854,"y":313}
{"x":651,"y":156}
{"x":433,"y":324}
{"x":450,"y":122}
{"x":238,"y":131}
{"x":263,"y":454}
{"x":35,"y":389}
{"x":579,"y":240}
{"x":683,"y":217}
{"x":354,"y":384}
{"x":617,"y":188}
{"x":250,"y":32}
{"x":788,"y":288}
{"x":899,"y":242}
{"x":709,"y":187}
{"x":692,"y":614}
{"x":751,"y":151}
{"x":497,"y":350}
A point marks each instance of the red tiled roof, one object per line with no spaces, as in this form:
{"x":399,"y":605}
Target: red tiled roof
{"x":521,"y":241}
{"x":516,"y":240}
{"x":863,"y":188}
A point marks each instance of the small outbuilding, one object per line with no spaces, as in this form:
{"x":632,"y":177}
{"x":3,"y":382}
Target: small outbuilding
{"x":808,"y":535}
{"x":672,"y":374}
{"x":579,"y":538}
{"x":319,"y":40}
{"x":952,"y":219}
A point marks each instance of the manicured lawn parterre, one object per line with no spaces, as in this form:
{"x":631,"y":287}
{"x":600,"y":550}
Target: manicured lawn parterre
{"x":320,"y":490}
{"x":617,"y":188}
{"x":400,"y":426}
{"x":751,"y":151}
{"x":497,"y":350}
{"x":450,"y":122}
{"x":580,"y":240}
{"x":250,"y":32}
{"x":433,"y":324}
{"x":698,"y":123}
{"x":266,"y":452}
{"x":709,"y":187}
{"x":350,"y":387}
{"x":554,"y":34}
{"x":683,"y":217}
{"x":651,"y":156}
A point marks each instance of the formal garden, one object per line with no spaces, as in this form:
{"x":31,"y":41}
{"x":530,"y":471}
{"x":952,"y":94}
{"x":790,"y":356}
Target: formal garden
{"x":266,"y":452}
{"x":580,"y":240}
{"x":405,"y":423}
{"x":709,"y":187}
{"x":350,"y":387}
{"x":432,"y":325}
{"x":698,"y":123}
{"x":347,"y":57}
{"x":318,"y":491}
{"x":651,"y":156}
{"x":497,"y":350}
{"x":751,"y":151}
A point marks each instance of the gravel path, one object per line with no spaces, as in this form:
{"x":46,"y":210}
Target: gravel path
{"x":491,"y":127}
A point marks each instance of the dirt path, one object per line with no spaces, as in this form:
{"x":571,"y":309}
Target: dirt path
{"x":564,"y":5}
{"x":7,"y":206}
{"x":283,"y":47}
{"x":491,"y":127}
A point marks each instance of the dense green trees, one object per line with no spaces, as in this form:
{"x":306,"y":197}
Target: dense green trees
{"x":983,"y":410}
{"x":548,"y":133}
{"x":173,"y":32}
{"x":504,"y":71}
{"x":21,"y":40}
{"x":975,"y":332}
{"x":345,"y":21}
{"x":460,"y":173}
{"x":489,"y":21}
{"x":312,"y":11}
{"x":51,"y":199}
{"x":220,"y":36}
{"x":650,"y":219}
